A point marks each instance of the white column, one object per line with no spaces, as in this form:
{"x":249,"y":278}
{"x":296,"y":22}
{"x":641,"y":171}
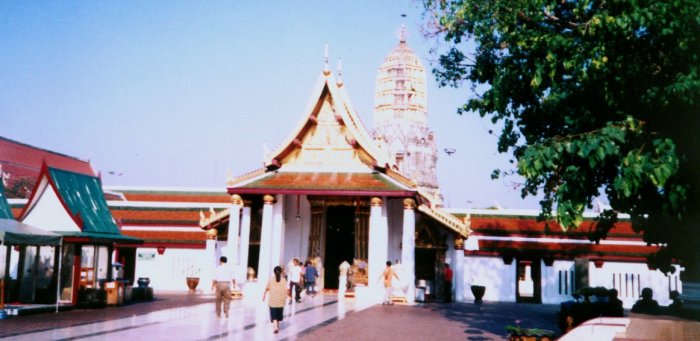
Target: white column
{"x":457,"y":265}
{"x":245,"y":238}
{"x":376,"y":249}
{"x":234,"y":222}
{"x":210,"y":259}
{"x":408,"y":243}
{"x":264,"y":261}
{"x":277,"y":232}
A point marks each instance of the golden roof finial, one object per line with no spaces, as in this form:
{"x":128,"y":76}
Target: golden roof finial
{"x":229,"y":177}
{"x":403,"y":32}
{"x":339,"y":80}
{"x":326,"y":66}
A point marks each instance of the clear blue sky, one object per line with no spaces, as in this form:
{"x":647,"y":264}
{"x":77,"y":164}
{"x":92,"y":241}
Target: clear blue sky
{"x":174,"y":93}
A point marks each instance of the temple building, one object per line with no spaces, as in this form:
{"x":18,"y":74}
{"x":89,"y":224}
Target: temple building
{"x":332,"y":193}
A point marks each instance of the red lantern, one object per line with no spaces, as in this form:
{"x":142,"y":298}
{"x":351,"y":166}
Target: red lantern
{"x":161,"y":250}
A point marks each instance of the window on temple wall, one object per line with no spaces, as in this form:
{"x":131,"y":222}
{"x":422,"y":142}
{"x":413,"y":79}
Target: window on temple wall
{"x":566,"y":282}
{"x":398,"y":99}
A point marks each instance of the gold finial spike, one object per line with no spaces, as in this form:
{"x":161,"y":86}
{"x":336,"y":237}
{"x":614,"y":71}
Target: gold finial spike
{"x":403,"y":32}
{"x":339,"y":81}
{"x":229,"y":177}
{"x":326,"y":66}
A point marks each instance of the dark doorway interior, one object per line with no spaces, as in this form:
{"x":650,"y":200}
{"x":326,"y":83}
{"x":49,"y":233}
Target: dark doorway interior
{"x":253,"y":257}
{"x":340,"y":242}
{"x":426,"y":264}
{"x":127,"y":256}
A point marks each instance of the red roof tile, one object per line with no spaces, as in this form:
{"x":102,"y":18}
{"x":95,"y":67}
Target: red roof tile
{"x":182,"y":216}
{"x":176,"y":197}
{"x":21,"y":159}
{"x":321,"y":183}
{"x":175,"y":237}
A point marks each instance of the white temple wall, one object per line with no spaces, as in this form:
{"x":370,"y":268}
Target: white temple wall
{"x":557,"y":281}
{"x":498,"y":278}
{"x":631,"y":278}
{"x":169,"y":270}
{"x":297,"y":228}
{"x":395,"y":215}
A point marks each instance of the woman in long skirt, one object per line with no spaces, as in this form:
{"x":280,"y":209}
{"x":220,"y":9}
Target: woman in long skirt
{"x":279,"y":292}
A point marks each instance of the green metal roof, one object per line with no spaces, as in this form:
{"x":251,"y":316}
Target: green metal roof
{"x":12,"y":232}
{"x":5,"y":210}
{"x":83,"y":196}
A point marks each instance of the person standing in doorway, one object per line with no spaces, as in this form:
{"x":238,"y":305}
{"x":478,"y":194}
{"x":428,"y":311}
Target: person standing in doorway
{"x":447,"y":277}
{"x":387,"y":276}
{"x":277,"y":287}
{"x":221,"y":285}
{"x":294,"y":276}
{"x":343,"y":278}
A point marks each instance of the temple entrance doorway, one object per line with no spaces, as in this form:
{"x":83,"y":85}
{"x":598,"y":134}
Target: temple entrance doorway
{"x":528,"y":289}
{"x":340,"y":242}
{"x":427,"y":270}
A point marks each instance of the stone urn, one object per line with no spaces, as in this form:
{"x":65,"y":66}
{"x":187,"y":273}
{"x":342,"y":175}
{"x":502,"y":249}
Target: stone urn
{"x":143,"y":282}
{"x":478,"y":292}
{"x":192,"y":283}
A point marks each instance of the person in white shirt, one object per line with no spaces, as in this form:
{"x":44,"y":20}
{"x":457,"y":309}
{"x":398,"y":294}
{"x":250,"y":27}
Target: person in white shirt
{"x":223,"y":279}
{"x":295,"y":279}
{"x":343,"y":278}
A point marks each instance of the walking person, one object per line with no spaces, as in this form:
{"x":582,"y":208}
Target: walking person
{"x":310,"y":275}
{"x":447,"y":277}
{"x":277,"y":287}
{"x":343,"y":278}
{"x":221,"y":285}
{"x":387,"y":275}
{"x":294,"y":275}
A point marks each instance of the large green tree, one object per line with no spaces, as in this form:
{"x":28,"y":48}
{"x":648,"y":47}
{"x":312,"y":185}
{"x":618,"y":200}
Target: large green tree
{"x":595,"y":99}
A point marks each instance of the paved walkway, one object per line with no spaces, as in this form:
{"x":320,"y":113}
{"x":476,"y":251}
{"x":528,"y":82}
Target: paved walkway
{"x":191,"y":317}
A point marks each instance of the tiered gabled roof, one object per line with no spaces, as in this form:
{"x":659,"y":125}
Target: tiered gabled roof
{"x":328,"y":152}
{"x":73,"y":205}
{"x":329,"y":101}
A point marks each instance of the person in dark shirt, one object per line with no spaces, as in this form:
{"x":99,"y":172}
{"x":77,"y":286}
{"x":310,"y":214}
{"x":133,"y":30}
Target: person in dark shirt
{"x":447,"y":277}
{"x":646,"y":305}
{"x":310,"y":275}
{"x":614,"y":305}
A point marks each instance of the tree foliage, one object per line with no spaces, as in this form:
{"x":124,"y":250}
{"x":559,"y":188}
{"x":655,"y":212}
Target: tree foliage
{"x":596,"y":99}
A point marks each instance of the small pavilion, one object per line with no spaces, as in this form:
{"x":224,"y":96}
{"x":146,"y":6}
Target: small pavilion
{"x":73,"y":206}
